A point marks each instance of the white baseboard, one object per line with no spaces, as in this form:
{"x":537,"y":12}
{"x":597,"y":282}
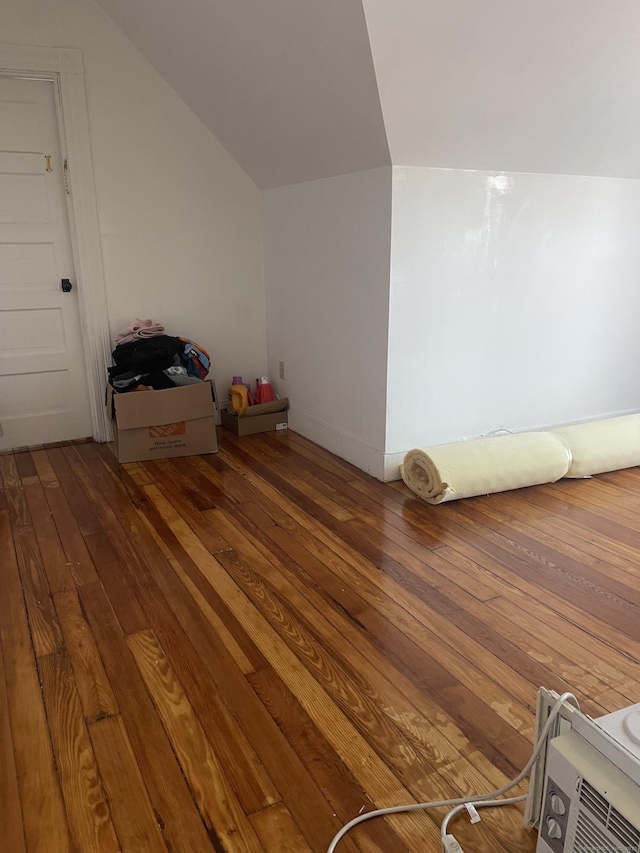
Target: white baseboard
{"x":382,"y":466}
{"x":353,"y":450}
{"x":392,"y":462}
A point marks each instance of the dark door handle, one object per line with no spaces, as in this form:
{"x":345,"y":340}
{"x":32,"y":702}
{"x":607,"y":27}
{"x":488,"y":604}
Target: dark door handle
{"x":66,"y":285}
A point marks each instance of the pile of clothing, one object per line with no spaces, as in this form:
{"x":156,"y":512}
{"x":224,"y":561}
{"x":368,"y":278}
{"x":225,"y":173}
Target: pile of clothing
{"x":146,"y":358}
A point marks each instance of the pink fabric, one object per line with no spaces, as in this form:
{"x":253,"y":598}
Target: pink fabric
{"x":138,"y":330}
{"x":149,"y":331}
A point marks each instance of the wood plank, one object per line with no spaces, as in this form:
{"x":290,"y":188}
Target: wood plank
{"x":572,"y":661}
{"x":338,"y":784}
{"x":325,"y":642}
{"x":116,"y":515}
{"x":47,"y":638}
{"x":133,"y":815}
{"x":356,"y":502}
{"x":571,"y":586}
{"x":172,"y":804}
{"x":86,"y":805}
{"x":316,"y":819}
{"x":430,"y":623}
{"x":81,"y":565}
{"x":14,"y":493}
{"x":11,"y":825}
{"x":242,"y":767}
{"x":45,"y":823}
{"x":514,"y":514}
{"x":309,"y":494}
{"x":25,"y":466}
{"x":119,"y":592}
{"x":56,"y":565}
{"x":383,"y":786}
{"x":44,"y":469}
{"x":612,"y":666}
{"x":45,"y":628}
{"x":534,"y":584}
{"x":216,"y":799}
{"x":362,"y":667}
{"x":369,"y":663}
{"x":91,"y":680}
{"x":83,"y":511}
{"x":381,"y":707}
{"x":611,"y":501}
{"x":244,"y":663}
{"x":315,"y":478}
{"x":180,"y":481}
{"x":277,"y":831}
{"x":437,"y":677}
{"x":241,"y":764}
{"x":552,"y":554}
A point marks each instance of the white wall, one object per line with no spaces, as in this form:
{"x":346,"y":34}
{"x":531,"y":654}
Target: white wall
{"x":179,"y":219}
{"x":327,"y":248}
{"x":514,"y":303}
{"x":541,"y":86}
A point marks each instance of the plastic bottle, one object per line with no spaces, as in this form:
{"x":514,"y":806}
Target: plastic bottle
{"x":265,"y":391}
{"x":239,"y":397}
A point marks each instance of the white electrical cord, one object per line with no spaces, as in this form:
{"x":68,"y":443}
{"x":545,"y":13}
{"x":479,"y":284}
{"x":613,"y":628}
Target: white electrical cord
{"x":448,"y":841}
{"x":479,"y":800}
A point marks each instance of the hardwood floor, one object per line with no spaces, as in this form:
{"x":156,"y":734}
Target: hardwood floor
{"x":241,"y":652}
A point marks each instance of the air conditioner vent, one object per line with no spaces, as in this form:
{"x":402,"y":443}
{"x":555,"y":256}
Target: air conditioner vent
{"x":624,"y":831}
{"x":589,"y":838}
{"x":610,"y":818}
{"x":594,"y":801}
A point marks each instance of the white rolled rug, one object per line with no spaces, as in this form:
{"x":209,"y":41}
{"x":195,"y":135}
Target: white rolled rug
{"x":600,"y":446}
{"x":482,"y":466}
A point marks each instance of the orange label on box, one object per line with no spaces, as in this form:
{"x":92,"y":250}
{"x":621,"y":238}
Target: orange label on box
{"x":167,"y":430}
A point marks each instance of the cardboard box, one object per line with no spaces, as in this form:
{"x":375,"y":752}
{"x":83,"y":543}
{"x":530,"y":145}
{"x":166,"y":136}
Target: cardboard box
{"x":255,"y":423}
{"x":164,"y":424}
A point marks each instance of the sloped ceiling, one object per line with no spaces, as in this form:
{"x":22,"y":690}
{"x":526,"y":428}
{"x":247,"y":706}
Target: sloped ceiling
{"x":547,"y":86}
{"x":290,"y":87}
{"x":287,"y":86}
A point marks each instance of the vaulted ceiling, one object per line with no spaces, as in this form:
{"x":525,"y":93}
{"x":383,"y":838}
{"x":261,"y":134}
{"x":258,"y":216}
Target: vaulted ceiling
{"x":287,"y":86}
{"x":549,"y":86}
{"x":303,"y":89}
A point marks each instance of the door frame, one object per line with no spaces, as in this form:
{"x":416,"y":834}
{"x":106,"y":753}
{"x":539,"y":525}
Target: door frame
{"x":65,"y":68}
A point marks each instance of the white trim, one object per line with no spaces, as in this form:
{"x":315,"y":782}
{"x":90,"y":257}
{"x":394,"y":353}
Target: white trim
{"x":392,"y":462}
{"x":65,"y":67}
{"x":362,"y":455}
{"x":382,"y":466}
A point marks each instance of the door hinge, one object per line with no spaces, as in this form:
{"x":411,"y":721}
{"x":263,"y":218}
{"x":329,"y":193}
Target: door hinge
{"x":47,"y":163}
{"x":65,"y":175}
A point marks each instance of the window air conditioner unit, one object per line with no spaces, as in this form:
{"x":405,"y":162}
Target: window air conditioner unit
{"x":584,"y":795}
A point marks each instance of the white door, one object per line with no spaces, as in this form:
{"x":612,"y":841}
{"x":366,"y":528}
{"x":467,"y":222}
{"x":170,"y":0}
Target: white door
{"x":43,"y":385}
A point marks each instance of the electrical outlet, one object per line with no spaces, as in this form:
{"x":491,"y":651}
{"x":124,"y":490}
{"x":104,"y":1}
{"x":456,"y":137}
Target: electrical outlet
{"x":281,"y":371}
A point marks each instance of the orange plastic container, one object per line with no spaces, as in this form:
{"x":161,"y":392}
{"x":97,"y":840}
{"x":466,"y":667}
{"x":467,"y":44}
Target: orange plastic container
{"x":239,"y":399}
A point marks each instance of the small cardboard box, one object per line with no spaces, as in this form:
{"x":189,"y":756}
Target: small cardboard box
{"x":163,"y":424}
{"x":254,"y":423}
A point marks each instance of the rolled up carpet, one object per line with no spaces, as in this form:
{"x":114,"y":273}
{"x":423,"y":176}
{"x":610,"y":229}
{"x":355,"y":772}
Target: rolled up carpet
{"x":485,"y":465}
{"x":600,"y":446}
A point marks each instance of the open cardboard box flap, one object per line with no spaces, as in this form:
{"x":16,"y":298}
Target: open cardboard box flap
{"x":149,"y":408}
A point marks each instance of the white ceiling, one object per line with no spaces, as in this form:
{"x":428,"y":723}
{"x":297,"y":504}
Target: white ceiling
{"x":287,"y":86}
{"x":548,"y":86}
